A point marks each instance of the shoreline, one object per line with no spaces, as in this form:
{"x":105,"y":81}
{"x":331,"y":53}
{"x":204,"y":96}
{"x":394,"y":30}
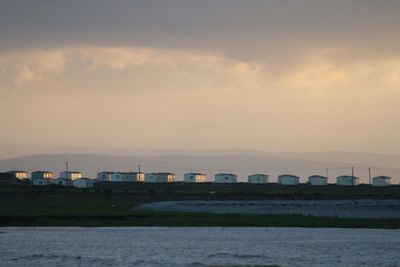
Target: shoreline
{"x":167,"y":219}
{"x":140,"y":217}
{"x":361,"y":208}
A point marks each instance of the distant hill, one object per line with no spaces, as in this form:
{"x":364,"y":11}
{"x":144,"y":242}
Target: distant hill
{"x":241,"y":162}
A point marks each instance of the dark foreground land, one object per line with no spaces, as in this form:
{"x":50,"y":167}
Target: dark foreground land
{"x":114,"y":205}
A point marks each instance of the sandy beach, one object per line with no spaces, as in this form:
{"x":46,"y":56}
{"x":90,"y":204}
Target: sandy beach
{"x":364,"y":208}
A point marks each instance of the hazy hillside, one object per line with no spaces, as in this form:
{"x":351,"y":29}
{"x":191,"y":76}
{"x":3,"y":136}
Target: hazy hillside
{"x":13,"y":151}
{"x":372,"y":159}
{"x":302,"y":164}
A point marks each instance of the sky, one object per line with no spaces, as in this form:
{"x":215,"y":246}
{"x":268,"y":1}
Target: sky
{"x":287,"y":75}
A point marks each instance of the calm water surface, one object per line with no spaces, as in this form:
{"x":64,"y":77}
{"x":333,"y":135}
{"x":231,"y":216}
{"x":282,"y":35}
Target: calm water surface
{"x":164,"y":246}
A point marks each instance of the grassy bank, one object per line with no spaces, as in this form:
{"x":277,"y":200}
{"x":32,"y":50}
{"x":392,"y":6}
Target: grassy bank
{"x":207,"y":191}
{"x":174,"y":219}
{"x":54,"y":206}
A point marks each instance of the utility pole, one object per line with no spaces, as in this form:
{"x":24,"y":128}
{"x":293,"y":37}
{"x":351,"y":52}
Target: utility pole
{"x":139,"y":168}
{"x":66,"y":170}
{"x":369,"y":175}
{"x":352,"y":175}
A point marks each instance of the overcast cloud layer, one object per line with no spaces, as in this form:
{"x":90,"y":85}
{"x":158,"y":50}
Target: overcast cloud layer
{"x":302,"y":75}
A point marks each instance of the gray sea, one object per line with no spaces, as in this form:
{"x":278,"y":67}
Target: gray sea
{"x":198,"y":246}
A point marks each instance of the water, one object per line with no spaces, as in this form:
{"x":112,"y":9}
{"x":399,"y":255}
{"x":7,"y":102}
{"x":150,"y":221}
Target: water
{"x":197,"y":246}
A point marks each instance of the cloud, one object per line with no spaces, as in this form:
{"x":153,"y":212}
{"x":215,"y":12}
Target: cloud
{"x":37,"y":66}
{"x":116,"y":58}
{"x":185,"y":62}
{"x":320,"y":69}
{"x":33,"y":66}
{"x":325,"y":69}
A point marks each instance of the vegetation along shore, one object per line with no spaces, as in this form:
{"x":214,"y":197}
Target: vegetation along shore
{"x":118,"y":205}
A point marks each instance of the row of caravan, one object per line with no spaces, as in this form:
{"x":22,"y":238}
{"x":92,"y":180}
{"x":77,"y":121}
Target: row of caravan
{"x":313,"y":180}
{"x":229,"y":178}
{"x":67,"y":177}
